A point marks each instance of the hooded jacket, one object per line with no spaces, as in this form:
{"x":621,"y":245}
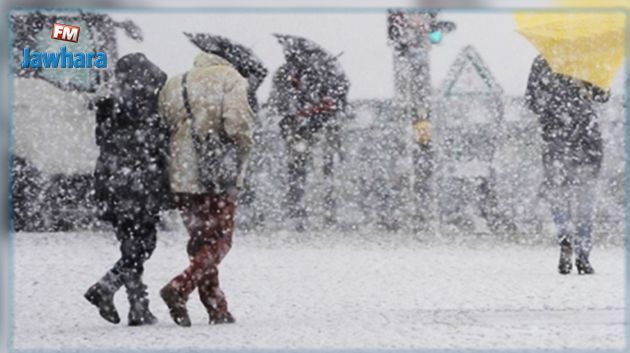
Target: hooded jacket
{"x":131,"y":177}
{"x":218,"y":98}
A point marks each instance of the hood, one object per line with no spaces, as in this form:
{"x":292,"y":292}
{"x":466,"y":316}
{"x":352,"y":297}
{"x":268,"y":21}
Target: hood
{"x":139,"y":83}
{"x":208,"y":59}
{"x":136,"y":71}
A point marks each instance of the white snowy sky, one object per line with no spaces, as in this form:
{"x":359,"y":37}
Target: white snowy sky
{"x":367,"y":58}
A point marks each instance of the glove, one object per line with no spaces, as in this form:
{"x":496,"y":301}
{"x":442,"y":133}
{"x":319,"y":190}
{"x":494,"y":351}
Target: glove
{"x":422,"y":129}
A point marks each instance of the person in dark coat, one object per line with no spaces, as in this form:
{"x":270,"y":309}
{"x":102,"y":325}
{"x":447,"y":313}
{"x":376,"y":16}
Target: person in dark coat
{"x":131,"y":181}
{"x":572,"y":156}
{"x":309,"y":94}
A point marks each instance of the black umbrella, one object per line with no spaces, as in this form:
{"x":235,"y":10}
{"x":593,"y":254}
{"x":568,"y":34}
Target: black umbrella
{"x":321,"y":71}
{"x":242,"y":57}
{"x":300,"y":50}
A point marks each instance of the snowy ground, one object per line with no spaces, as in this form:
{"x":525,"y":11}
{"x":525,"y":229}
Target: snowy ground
{"x":330,"y":293}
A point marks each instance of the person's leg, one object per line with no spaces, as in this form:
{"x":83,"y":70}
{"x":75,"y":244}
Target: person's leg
{"x":560,"y":202}
{"x":423,"y":168}
{"x":195,"y":210}
{"x":137,"y":242}
{"x":139,"y":249}
{"x":218,"y":244}
{"x":583,"y":223}
{"x":561,"y":214}
{"x":488,"y":204}
{"x":101,"y":294}
{"x":176,"y":292}
{"x":298,"y":157}
{"x":331,"y":147}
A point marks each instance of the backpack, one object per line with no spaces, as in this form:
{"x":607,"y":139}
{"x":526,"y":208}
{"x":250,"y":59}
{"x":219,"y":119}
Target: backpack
{"x":218,"y":162}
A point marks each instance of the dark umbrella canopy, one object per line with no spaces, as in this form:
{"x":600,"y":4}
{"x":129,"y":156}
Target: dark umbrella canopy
{"x":320,"y":71}
{"x":309,"y":89}
{"x":242,"y":57}
{"x":299,"y":50}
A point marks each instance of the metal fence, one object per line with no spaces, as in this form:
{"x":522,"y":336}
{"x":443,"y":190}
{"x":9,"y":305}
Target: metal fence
{"x":374,"y":173}
{"x":482,"y":170}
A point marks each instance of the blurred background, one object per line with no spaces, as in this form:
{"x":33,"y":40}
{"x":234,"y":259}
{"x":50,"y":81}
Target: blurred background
{"x":484,"y":153}
{"x":480,"y":177}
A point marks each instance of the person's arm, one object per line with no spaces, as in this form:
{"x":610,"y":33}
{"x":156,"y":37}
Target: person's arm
{"x":283,"y":96}
{"x":104,"y":114}
{"x":162,"y":157}
{"x":325,"y":105}
{"x":238,"y":118}
{"x":333,"y":98}
{"x":537,"y":92}
{"x":597,"y":94}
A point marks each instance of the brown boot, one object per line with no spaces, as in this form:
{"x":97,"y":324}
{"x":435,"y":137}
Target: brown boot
{"x":221,"y":318}
{"x":176,"y":305}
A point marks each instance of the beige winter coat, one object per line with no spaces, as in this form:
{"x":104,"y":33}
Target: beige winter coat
{"x":214,"y":88}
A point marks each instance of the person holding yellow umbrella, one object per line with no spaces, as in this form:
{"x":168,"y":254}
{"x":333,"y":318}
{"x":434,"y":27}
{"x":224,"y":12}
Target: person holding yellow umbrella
{"x":580,"y":54}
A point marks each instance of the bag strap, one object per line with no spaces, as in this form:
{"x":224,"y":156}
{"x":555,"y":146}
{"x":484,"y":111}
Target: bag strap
{"x":223,"y":136}
{"x":191,"y":117}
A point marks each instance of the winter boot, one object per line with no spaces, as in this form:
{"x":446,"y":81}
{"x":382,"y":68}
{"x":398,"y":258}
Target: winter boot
{"x":176,"y":305}
{"x":583,"y":265}
{"x":566,"y":254}
{"x":221,"y":318}
{"x":101,"y":295}
{"x":139,"y":313}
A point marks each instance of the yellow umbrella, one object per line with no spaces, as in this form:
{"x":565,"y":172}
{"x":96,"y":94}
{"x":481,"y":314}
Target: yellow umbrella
{"x":588,"y":46}
{"x":594,"y":4}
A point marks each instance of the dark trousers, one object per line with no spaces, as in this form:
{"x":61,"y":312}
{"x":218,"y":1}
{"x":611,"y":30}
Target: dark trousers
{"x":299,"y":156}
{"x":296,"y":169}
{"x":137,"y":239}
{"x":209,"y":220}
{"x":572,"y":213}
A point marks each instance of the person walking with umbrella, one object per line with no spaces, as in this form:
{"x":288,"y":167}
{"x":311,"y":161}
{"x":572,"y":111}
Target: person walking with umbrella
{"x":210,"y":121}
{"x":572,"y":156}
{"x":241,"y":57}
{"x":580,"y":54}
{"x":310,"y":92}
{"x":249,"y":65}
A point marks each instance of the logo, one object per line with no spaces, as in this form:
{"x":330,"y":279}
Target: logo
{"x":66,"y":33}
{"x":63,"y":59}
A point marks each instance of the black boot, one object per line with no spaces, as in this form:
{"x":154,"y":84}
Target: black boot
{"x":583,"y":265}
{"x":101,"y":295}
{"x":566,"y":253}
{"x":176,"y":305}
{"x":139,"y":313}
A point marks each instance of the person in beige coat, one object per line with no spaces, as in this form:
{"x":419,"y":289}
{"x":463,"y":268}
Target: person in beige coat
{"x":216,"y":96}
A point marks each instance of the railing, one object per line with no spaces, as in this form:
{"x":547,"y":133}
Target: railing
{"x":374,"y":175}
